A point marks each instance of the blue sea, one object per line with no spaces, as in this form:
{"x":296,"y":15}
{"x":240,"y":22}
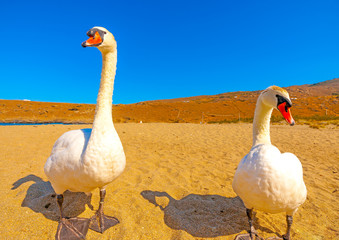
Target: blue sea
{"x":18,"y":124}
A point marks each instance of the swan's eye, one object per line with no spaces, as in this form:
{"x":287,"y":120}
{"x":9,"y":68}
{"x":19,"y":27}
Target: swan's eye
{"x":282,"y":99}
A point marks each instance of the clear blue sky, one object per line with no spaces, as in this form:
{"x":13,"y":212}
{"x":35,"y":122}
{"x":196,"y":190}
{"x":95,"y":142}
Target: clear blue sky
{"x":166,"y":49}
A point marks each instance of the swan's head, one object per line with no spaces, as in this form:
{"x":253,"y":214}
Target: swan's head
{"x":279,"y":99}
{"x":101,"y":38}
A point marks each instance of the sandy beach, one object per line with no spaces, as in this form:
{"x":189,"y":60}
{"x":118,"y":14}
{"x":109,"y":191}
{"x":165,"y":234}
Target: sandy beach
{"x":177,"y":183}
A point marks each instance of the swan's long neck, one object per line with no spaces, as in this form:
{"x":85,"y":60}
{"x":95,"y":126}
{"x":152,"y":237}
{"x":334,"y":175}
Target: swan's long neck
{"x":103,"y":111}
{"x":103,"y":124}
{"x":261,"y":123}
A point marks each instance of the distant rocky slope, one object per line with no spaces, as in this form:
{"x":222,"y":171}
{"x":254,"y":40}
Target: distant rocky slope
{"x":319,"y":101}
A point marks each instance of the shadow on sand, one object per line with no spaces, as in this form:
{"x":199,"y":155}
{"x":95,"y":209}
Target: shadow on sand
{"x":41,"y":198}
{"x":203,"y":216}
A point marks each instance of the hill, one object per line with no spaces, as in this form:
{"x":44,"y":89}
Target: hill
{"x":318,"y":101}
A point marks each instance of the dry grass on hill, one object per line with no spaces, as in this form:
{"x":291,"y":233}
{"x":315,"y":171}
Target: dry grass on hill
{"x":311,"y":103}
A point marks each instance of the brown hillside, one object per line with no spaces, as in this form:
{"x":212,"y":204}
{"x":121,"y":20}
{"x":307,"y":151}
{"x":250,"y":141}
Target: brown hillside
{"x":320,"y":99}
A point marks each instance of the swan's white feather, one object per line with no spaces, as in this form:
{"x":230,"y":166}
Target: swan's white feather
{"x":69,"y":168}
{"x":269,"y":181}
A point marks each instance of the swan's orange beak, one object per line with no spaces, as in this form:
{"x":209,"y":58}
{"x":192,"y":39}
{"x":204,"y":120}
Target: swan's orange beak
{"x":285,"y":111}
{"x":95,"y":40}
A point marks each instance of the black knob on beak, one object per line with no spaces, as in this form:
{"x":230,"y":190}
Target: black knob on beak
{"x":91,"y":33}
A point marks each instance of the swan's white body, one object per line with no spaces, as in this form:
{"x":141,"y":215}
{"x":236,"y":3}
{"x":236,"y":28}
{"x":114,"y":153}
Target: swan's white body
{"x":266,"y":179}
{"x":71,"y":167}
{"x":269,"y":181}
{"x":82,"y":160}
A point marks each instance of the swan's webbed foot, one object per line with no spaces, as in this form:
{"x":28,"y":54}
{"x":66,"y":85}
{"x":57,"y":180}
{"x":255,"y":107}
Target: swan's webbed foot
{"x":243,"y":237}
{"x":252,"y":235}
{"x":101,"y":222}
{"x":246,"y":236}
{"x":72,"y":229}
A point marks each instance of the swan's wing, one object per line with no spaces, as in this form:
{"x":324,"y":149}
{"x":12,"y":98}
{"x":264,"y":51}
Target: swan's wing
{"x":295,"y":172}
{"x":65,"y":158}
{"x":72,"y":142}
{"x":252,"y":168}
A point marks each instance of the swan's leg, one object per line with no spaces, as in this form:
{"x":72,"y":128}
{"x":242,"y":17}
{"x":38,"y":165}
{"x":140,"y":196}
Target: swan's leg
{"x":72,"y":228}
{"x":287,"y":236}
{"x":101,"y":222}
{"x":252,"y":235}
{"x":289,"y":220}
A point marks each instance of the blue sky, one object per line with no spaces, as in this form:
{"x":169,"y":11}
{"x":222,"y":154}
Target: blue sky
{"x":166,"y":49}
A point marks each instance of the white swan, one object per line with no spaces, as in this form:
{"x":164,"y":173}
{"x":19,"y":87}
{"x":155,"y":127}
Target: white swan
{"x":265,"y":179}
{"x":86,"y":159}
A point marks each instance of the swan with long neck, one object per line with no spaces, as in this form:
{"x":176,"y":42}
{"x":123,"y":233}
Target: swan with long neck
{"x":266,"y":179}
{"x":86,"y":159}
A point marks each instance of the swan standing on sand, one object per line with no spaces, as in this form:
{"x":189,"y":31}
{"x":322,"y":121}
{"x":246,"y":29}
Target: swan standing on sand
{"x":265,"y":179}
{"x":86,"y":159}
